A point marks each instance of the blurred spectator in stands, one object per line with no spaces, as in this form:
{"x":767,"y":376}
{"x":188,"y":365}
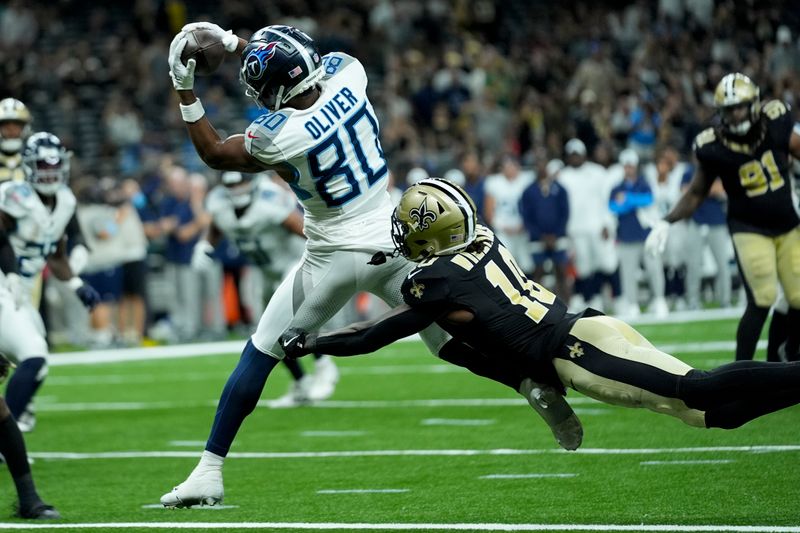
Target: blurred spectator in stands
{"x":708,"y":228}
{"x":475,"y":184}
{"x":18,"y":28}
{"x":596,"y":73}
{"x":628,"y":201}
{"x":501,"y":208}
{"x":124,"y":130}
{"x":590,"y":225}
{"x":785,"y":58}
{"x":645,"y":121}
{"x":182,"y":227}
{"x":209,"y":279}
{"x":544,"y":208}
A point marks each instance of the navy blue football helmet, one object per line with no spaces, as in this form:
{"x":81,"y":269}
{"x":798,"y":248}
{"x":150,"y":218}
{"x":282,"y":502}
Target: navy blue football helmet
{"x":279,"y":63}
{"x":46,"y":162}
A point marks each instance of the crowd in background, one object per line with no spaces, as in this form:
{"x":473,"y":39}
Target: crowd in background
{"x":523,"y":102}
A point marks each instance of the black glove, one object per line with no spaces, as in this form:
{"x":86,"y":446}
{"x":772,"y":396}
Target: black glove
{"x":88,"y":295}
{"x":296,"y":343}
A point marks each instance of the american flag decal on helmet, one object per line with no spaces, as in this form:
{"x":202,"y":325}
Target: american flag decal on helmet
{"x":296,"y":71}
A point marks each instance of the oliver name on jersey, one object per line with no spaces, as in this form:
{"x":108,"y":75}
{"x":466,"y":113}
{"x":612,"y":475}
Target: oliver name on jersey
{"x":333,"y":151}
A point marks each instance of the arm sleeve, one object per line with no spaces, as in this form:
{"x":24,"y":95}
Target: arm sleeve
{"x":74,"y":233}
{"x":398,"y":323}
{"x":8,"y":261}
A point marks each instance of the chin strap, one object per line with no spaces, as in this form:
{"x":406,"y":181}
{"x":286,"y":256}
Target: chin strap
{"x":380,"y":258}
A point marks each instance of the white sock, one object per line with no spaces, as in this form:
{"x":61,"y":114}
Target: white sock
{"x":210,"y":461}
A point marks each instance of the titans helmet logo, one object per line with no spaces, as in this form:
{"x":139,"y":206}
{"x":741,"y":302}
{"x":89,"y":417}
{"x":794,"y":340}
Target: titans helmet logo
{"x":421,"y":216}
{"x":256,"y":61}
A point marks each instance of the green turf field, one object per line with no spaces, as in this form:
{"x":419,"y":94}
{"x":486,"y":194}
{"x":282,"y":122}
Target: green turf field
{"x":438,"y":446}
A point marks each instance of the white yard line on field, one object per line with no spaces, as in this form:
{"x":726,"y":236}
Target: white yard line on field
{"x":417,"y":453}
{"x":698,"y":462}
{"x":347,"y":526}
{"x":526,"y":476}
{"x":363,"y":491}
{"x":456,"y":422}
{"x":235,"y":347}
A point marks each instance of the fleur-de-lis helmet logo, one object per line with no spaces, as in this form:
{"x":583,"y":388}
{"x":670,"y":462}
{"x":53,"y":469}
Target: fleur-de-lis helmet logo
{"x":421,"y":216}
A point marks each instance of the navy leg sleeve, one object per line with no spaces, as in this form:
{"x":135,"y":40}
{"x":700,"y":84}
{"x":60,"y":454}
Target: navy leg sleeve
{"x":239,"y":397}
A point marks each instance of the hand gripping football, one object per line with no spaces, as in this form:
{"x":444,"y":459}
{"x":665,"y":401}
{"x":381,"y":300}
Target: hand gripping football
{"x":205,"y":49}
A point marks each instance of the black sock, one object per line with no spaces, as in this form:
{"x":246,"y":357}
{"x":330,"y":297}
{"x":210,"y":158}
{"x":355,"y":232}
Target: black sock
{"x":737,"y":413}
{"x":749,"y":331}
{"x":294,"y":367}
{"x":793,"y":338}
{"x":24,"y":383}
{"x":740,"y":381}
{"x":239,"y":397}
{"x":12,"y":447}
{"x":778,"y":332}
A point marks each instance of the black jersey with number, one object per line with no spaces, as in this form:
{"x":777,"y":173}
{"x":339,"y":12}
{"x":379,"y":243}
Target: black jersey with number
{"x":756,"y":177}
{"x":513,"y":316}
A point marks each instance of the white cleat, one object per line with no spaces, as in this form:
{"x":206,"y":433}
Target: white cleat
{"x":326,"y":375}
{"x":555,"y":410}
{"x":299,"y":394}
{"x":200,"y":488}
{"x":27,"y":420}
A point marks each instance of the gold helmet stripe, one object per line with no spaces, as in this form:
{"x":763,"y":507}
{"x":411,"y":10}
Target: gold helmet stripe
{"x":459,"y":198}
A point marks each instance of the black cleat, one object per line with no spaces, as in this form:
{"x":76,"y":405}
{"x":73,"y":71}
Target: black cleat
{"x":39,"y":511}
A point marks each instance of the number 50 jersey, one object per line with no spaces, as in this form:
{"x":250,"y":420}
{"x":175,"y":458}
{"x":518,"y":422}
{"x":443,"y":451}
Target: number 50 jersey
{"x":514,"y":316}
{"x":333,"y":153}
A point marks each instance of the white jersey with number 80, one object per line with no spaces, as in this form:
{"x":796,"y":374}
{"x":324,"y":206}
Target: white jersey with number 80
{"x":333,"y":152}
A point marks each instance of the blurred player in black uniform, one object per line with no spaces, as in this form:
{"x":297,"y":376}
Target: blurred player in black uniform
{"x":13,"y":453}
{"x":749,"y":151}
{"x":470,"y":285}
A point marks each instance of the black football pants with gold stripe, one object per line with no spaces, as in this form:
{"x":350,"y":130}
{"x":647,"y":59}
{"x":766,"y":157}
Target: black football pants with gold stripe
{"x":608,"y":360}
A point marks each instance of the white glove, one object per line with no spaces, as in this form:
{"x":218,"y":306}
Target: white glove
{"x":201,"y":255}
{"x":182,"y":75}
{"x":656,"y":241}
{"x":229,"y":40}
{"x":78,"y":259}
{"x":19,"y":292}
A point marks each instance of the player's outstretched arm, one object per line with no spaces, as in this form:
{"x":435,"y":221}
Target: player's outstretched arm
{"x":217,"y":153}
{"x":359,"y":338}
{"x":692,"y":197}
{"x":60,"y":267}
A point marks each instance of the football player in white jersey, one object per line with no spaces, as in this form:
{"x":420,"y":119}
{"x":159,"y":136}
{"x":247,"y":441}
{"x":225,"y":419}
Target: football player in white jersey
{"x":262,"y":219}
{"x":34,"y":215}
{"x":320,"y":134}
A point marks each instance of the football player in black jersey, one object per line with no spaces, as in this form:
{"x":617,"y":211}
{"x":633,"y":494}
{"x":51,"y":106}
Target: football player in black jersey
{"x":470,"y":285}
{"x":749,"y":151}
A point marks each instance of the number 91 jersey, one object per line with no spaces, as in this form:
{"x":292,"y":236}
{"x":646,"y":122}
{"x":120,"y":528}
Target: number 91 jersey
{"x":513,"y":315}
{"x":38,"y":230}
{"x":756,"y":177}
{"x":333,"y":152}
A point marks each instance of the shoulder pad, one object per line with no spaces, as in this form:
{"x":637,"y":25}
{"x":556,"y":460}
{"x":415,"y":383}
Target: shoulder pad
{"x":217,"y":200}
{"x":774,"y":109}
{"x":705,"y":137}
{"x":16,"y":198}
{"x":66,"y":197}
{"x":423,"y":288}
{"x":259,"y":137}
{"x":336,"y":62}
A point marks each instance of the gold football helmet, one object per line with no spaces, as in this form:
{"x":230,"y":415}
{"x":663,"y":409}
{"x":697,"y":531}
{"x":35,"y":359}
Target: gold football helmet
{"x":12,"y":110}
{"x":738,"y":103}
{"x":434,"y":217}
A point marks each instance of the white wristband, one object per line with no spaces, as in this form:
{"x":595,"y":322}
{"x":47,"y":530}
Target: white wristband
{"x":192,"y":112}
{"x":75,"y":283}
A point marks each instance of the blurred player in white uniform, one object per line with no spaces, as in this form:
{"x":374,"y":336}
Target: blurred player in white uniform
{"x":501,"y":209}
{"x":320,"y":134}
{"x":34,"y":215}
{"x":591,"y":226}
{"x":261,"y":218}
